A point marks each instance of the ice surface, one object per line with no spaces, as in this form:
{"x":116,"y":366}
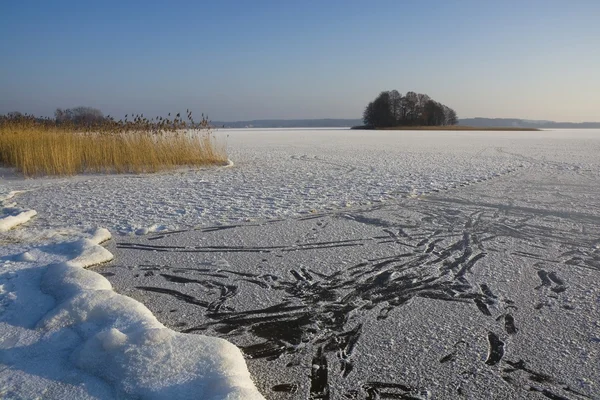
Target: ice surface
{"x":64,"y":333}
{"x":487,"y":291}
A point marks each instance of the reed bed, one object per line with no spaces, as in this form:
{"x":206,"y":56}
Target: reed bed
{"x":44,"y":147}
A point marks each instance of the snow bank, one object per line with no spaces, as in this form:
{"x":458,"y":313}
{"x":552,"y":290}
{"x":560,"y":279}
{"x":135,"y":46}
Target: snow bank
{"x":64,"y":333}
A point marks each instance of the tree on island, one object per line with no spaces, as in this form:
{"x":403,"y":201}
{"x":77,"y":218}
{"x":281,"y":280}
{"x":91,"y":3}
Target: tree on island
{"x":391,"y":109}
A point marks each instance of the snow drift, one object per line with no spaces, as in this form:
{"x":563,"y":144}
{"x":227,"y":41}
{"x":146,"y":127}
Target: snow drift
{"x":64,"y":333}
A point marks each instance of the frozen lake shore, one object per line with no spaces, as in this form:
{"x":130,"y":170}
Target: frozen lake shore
{"x":348,"y":264}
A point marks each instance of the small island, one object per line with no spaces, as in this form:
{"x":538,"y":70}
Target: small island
{"x":415,"y":111}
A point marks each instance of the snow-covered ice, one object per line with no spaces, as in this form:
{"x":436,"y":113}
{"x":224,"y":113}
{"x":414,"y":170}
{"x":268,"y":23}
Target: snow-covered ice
{"x":318,"y":230}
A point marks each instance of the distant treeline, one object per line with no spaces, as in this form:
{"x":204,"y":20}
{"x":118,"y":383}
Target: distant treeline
{"x":77,"y":116}
{"x":391,"y":109}
{"x":289,"y":123}
{"x":92,"y":119}
{"x":526,"y":123}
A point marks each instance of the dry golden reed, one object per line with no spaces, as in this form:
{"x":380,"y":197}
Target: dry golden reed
{"x":44,"y":147}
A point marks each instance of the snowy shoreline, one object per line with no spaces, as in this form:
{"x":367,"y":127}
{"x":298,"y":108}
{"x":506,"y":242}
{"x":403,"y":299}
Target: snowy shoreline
{"x":86,"y":335}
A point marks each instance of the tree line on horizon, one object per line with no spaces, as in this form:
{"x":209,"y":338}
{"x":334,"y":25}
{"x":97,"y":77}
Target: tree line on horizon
{"x":391,"y":109}
{"x":92,"y":119}
{"x":77,"y":116}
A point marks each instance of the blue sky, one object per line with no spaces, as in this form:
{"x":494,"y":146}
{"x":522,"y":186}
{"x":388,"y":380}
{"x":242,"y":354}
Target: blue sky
{"x":237,"y":60}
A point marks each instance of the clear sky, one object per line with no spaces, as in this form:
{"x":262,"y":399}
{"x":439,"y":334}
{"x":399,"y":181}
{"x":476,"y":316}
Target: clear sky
{"x":238,"y":60}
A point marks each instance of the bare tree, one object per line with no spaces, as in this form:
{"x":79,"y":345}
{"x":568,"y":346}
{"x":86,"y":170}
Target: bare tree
{"x":379,"y":112}
{"x":411,"y":102}
{"x":451,"y":117}
{"x":396,"y":105}
{"x":79,"y":115}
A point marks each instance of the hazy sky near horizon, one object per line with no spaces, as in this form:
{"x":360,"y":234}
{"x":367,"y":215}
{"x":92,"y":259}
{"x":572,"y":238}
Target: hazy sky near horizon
{"x":239,"y":60}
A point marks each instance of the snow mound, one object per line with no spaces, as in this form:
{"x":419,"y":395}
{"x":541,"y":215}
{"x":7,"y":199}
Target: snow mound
{"x":64,"y":333}
{"x":160,"y":363}
{"x":151,"y":229}
{"x":12,"y":215}
{"x":14,"y":218}
{"x":10,"y":195}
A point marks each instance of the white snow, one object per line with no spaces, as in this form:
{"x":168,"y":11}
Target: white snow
{"x":64,"y":333}
{"x":14,"y":216}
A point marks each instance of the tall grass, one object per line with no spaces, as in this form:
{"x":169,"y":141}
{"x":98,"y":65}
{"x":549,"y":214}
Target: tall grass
{"x":43,"y":147}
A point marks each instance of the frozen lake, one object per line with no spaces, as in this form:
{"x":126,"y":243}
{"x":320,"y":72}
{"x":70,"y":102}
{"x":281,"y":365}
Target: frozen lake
{"x":281,"y":173}
{"x":362,"y":264}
